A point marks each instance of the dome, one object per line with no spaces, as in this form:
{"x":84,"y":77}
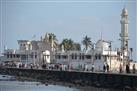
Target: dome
{"x":124,"y":11}
{"x":101,"y":44}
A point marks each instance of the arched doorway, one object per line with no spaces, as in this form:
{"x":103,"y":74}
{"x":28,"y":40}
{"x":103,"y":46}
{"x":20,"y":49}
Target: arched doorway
{"x":46,"y":57}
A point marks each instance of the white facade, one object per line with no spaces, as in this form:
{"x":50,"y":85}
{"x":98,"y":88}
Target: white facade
{"x":99,"y":56}
{"x":31,"y":52}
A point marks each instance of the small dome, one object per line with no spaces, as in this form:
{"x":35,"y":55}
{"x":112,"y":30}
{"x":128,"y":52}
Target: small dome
{"x":102,"y":44}
{"x":124,"y":11}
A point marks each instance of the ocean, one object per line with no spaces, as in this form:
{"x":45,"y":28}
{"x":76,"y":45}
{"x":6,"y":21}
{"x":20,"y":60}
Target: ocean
{"x":14,"y":85}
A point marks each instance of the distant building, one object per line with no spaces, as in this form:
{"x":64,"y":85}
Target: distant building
{"x":32,"y":52}
{"x":43,"y":52}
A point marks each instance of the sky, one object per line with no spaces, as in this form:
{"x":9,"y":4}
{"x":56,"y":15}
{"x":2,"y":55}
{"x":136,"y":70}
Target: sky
{"x":22,"y":19}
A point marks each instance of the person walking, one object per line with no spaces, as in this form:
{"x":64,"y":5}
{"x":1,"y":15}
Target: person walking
{"x":134,"y":69}
{"x":120,"y":68}
{"x":104,"y":68}
{"x":92,"y":69}
{"x":127,"y":69}
{"x":107,"y":66}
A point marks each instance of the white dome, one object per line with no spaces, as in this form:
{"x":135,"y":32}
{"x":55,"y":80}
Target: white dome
{"x":124,"y":11}
{"x":102,"y":45}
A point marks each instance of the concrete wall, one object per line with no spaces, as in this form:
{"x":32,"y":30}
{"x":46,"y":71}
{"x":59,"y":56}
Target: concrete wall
{"x":82,"y":78}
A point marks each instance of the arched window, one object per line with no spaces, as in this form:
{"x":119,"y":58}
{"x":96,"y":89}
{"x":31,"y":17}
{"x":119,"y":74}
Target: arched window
{"x":83,"y":56}
{"x":99,"y":56}
{"x":96,"y":56}
{"x":72,"y":56}
{"x":75,"y":55}
{"x":80,"y":56}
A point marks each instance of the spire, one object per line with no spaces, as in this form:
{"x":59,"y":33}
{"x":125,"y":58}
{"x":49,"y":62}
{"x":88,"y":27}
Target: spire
{"x":124,"y":33}
{"x":124,"y":11}
{"x":46,"y":39}
{"x":124,"y":4}
{"x":41,"y":38}
{"x":101,"y":33}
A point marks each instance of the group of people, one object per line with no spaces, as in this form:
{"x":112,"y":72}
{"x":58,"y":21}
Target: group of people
{"x":106,"y":68}
{"x":70,"y":67}
{"x":127,"y":69}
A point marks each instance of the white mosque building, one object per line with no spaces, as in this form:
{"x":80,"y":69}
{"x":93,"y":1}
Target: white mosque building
{"x":42,"y":52}
{"x":31,"y":52}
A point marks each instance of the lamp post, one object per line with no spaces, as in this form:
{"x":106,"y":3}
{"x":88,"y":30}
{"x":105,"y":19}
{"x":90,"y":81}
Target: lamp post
{"x":122,"y":52}
{"x":93,"y":49}
{"x":110,"y":49}
{"x":110,"y":52}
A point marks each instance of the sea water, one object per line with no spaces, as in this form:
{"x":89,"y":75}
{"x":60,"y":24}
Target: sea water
{"x":14,"y":85}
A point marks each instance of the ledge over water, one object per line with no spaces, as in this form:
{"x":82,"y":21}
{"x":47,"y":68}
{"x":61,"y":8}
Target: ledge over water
{"x":98,"y":79}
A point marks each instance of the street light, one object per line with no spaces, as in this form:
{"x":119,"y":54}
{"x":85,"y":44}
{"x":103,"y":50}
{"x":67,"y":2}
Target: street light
{"x":110,"y":52}
{"x":110,"y":47}
{"x":93,"y":49}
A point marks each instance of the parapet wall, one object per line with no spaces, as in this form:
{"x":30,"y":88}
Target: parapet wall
{"x":82,"y":78}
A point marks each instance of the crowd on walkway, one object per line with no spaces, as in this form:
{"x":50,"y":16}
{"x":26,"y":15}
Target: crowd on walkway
{"x":64,"y":67}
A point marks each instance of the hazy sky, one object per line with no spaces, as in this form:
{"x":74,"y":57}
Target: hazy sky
{"x":21,"y":19}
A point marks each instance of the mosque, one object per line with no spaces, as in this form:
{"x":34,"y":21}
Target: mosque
{"x":43,"y":52}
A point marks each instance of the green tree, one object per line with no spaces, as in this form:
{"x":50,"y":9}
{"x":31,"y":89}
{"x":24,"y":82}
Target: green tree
{"x":86,"y":42}
{"x":68,"y":44}
{"x":76,"y":46}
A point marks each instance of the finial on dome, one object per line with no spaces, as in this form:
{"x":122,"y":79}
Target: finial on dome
{"x":124,"y":12}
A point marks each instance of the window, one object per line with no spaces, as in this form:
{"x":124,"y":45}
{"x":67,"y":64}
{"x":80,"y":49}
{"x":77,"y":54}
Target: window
{"x":56,"y":56}
{"x":59,"y":56}
{"x":31,"y":54}
{"x":14,"y":56}
{"x":64,"y":56}
{"x":8,"y":56}
{"x":72,"y":56}
{"x":83,"y":56}
{"x":75,"y":56}
{"x":35,"y":56}
{"x":17,"y":55}
{"x":88,"y":56}
{"x":96,"y":56}
{"x":23,"y":57}
{"x":99,"y":56}
{"x":80,"y":56}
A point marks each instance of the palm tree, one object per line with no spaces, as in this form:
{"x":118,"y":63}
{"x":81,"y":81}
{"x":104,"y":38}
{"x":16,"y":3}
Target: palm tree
{"x":53,"y":40}
{"x":52,"y":36}
{"x":86,"y":42}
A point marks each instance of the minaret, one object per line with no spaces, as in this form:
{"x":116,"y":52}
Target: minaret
{"x":124,"y":33}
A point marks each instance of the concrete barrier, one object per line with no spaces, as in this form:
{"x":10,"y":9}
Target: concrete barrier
{"x":111,"y":80}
